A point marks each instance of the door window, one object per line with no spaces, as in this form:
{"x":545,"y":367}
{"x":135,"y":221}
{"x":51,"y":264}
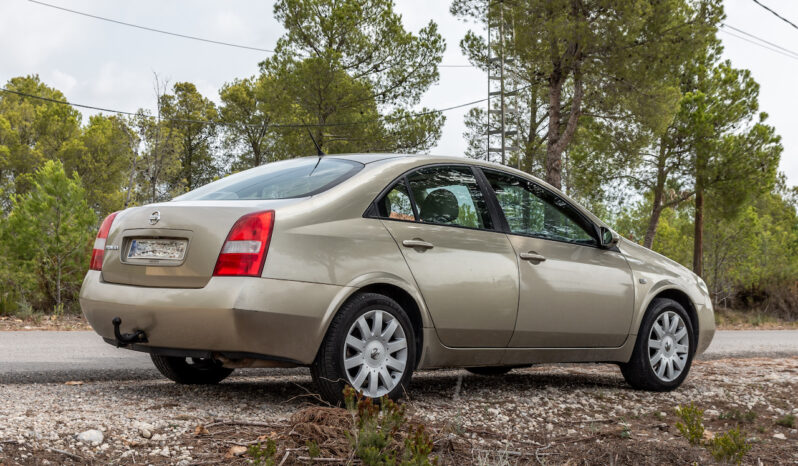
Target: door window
{"x":449,"y":196}
{"x":396,"y":204}
{"x":534,"y":211}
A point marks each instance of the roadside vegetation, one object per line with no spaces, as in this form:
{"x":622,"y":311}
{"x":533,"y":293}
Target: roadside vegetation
{"x":649,"y":127}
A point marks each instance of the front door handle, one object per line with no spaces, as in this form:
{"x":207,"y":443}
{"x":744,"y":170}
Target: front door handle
{"x":417,"y":243}
{"x":532,"y":257}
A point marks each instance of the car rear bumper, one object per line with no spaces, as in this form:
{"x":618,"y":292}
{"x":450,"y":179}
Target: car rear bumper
{"x":279,"y":319}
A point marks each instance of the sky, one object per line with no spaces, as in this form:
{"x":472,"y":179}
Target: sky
{"x":112,"y":66}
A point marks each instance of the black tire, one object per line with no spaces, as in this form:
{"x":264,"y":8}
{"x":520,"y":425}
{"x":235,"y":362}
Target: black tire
{"x":489,"y":370}
{"x":639,"y":371}
{"x":190,"y":371}
{"x":328,"y":368}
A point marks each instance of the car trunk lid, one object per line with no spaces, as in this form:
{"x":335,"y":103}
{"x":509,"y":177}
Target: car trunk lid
{"x":173,"y":244}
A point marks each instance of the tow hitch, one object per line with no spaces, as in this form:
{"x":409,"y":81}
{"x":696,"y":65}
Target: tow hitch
{"x":125,"y":339}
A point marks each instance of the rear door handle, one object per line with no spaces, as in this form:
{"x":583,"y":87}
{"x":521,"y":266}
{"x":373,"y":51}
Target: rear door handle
{"x":531,"y":257}
{"x":417,"y":243}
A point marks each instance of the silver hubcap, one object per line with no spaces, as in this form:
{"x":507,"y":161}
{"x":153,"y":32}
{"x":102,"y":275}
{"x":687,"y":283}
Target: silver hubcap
{"x":375,"y":353}
{"x":668,"y":346}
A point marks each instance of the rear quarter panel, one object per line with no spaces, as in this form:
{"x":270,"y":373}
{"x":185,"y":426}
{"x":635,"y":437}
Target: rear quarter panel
{"x":326,"y":240}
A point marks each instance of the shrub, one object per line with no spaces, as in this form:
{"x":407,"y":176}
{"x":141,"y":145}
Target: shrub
{"x":691,"y":425}
{"x":729,"y":447}
{"x":263,"y":456}
{"x":739,"y":416}
{"x":374,"y":437}
{"x":788,"y":420}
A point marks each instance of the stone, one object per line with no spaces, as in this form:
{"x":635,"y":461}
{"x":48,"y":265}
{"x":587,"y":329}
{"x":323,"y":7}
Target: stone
{"x":91,"y":437}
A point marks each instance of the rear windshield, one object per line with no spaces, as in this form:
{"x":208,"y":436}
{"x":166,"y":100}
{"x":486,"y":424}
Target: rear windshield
{"x":278,"y":180}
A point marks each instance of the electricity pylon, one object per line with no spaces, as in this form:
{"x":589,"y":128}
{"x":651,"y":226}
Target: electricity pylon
{"x":502,"y":85}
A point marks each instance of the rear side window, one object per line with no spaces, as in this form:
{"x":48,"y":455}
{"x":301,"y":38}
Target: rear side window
{"x":449,"y":196}
{"x":279,"y":180}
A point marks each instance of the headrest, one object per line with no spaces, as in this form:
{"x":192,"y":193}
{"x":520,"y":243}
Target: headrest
{"x":440,"y":206}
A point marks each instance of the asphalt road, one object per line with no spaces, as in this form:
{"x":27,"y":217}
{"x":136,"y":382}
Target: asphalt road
{"x":49,"y":356}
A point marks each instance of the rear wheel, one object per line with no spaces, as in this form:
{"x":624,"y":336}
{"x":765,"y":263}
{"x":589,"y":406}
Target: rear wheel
{"x":664,"y":349}
{"x":190,"y":371}
{"x":370,"y":346}
{"x":489,"y":370}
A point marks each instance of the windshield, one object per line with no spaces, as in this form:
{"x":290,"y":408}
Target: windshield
{"x":278,"y":180}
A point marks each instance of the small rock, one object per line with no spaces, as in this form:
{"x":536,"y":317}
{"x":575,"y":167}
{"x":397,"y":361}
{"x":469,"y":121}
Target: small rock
{"x":93,"y":437}
{"x":234,"y":451}
{"x":780,"y":436}
{"x":712,"y":413}
{"x":165,"y":452}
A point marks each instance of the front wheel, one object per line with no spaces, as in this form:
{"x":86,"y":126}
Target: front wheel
{"x":190,"y":371}
{"x":664,"y":349}
{"x":370,"y":346}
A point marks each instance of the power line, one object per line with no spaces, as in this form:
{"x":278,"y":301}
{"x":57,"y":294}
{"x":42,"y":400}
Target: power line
{"x":146,"y":28}
{"x":770,"y":45}
{"x":760,"y":45}
{"x":223,"y":123}
{"x":777,"y":15}
{"x":176,"y":34}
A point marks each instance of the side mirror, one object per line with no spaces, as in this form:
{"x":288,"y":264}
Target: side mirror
{"x":609,"y":238}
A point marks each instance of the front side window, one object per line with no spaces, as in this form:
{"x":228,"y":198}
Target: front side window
{"x":278,"y":180}
{"x":534,"y":211}
{"x":449,"y":196}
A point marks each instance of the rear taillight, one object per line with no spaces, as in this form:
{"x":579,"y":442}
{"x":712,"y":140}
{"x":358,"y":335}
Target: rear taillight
{"x":246,"y":245}
{"x":98,"y":252}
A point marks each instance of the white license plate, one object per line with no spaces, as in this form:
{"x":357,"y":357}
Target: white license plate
{"x":159,"y":249}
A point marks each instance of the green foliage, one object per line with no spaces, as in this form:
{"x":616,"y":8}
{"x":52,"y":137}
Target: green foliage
{"x":313,"y":449}
{"x":376,"y":427}
{"x":691,"y":424}
{"x":788,"y":420}
{"x":729,"y":447}
{"x":352,"y":61}
{"x":263,"y":456}
{"x":188,"y":112}
{"x":248,"y":107}
{"x":597,"y":63}
{"x":739,"y":416}
{"x":47,"y":236}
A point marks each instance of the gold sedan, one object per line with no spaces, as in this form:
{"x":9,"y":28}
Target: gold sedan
{"x":367,"y":267}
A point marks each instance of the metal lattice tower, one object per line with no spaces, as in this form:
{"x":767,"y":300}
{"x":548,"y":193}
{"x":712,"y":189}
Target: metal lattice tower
{"x":502,"y":85}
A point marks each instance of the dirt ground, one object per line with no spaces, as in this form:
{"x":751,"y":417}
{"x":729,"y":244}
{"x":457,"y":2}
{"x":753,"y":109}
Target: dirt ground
{"x":548,"y":414}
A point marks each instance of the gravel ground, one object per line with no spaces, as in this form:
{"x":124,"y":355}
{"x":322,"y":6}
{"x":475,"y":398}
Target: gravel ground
{"x":583,"y":414}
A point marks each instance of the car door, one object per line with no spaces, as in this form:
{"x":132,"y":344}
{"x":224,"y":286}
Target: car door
{"x":466,"y":271}
{"x":574,"y":294}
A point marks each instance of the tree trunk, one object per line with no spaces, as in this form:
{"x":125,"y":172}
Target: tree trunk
{"x":698,"y":239}
{"x":659,"y":193}
{"x":559,"y":134}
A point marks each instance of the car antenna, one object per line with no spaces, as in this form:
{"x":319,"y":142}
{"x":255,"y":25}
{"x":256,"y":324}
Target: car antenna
{"x":318,"y":149}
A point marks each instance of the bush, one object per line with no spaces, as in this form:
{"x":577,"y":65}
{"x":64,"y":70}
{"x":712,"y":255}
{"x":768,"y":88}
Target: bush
{"x":263,"y":456}
{"x":729,"y":447}
{"x":46,"y":239}
{"x":374,"y":437}
{"x":788,"y":420}
{"x":691,"y":425}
